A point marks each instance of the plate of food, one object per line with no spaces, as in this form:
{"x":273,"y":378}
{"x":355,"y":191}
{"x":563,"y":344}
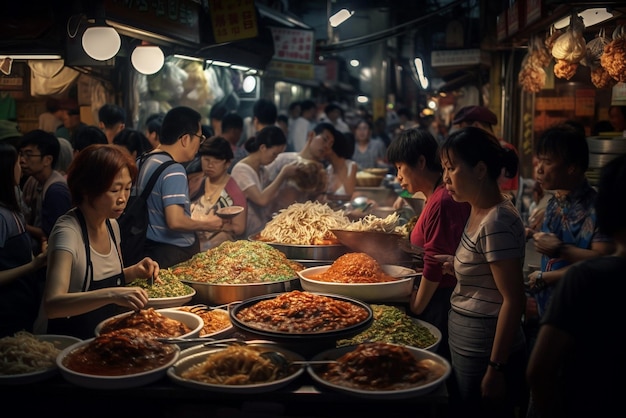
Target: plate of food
{"x":216,"y":321}
{"x":240,"y":368}
{"x":117,"y":360}
{"x":392,"y":325}
{"x":27,"y":358}
{"x":408,"y":371}
{"x":229,"y":212}
{"x":305,"y":319}
{"x":167,"y":291}
{"x":161,"y":323}
{"x":359,"y":276}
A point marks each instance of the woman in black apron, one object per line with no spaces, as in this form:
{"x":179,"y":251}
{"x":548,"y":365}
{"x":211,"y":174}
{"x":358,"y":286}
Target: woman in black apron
{"x":21,"y":274}
{"x":86,"y":278}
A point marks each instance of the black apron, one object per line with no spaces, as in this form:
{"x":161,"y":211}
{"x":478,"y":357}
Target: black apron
{"x":83,"y":326}
{"x":20,"y":299}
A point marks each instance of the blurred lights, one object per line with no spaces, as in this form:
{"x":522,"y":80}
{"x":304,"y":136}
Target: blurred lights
{"x":419,"y":67}
{"x":340,"y":17}
{"x":354,"y":63}
{"x":362,"y":99}
{"x":147,"y":59}
{"x":249,"y":84}
{"x":101,"y":42}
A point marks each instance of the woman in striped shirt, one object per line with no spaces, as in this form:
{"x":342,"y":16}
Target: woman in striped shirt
{"x":485,"y":335}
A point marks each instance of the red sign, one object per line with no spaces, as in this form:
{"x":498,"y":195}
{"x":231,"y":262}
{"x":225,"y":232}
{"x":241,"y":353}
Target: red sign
{"x":233,"y":20}
{"x":293,"y":45}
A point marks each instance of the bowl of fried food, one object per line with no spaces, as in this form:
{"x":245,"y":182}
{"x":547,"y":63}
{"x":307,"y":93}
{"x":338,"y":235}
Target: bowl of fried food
{"x":117,"y":360}
{"x":357,"y":370}
{"x":161,"y":323}
{"x":359,"y":276}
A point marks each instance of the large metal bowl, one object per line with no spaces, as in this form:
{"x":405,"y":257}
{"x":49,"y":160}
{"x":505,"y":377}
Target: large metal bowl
{"x":306,"y":252}
{"x":219,"y":294}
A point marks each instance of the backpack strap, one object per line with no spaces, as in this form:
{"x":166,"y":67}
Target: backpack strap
{"x":155,"y":176}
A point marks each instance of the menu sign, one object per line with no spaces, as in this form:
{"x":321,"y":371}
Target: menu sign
{"x":293,"y":45}
{"x":233,"y":20}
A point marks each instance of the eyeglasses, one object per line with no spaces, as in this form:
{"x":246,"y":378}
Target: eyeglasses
{"x":202,"y":138}
{"x":28,"y":154}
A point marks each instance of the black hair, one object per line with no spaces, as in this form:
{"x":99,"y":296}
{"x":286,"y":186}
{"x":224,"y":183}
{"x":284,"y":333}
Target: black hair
{"x":265,"y":111}
{"x":134,"y":140}
{"x":270,"y":136}
{"x":343,"y":145}
{"x":232,"y":121}
{"x":565,"y":143}
{"x":110,"y":114}
{"x":154,"y":122}
{"x":8,"y":158}
{"x":218,"y":112}
{"x":282,"y":118}
{"x":612,"y":197}
{"x":217,"y":147}
{"x":177,"y":122}
{"x":46,"y":143}
{"x":307,"y":104}
{"x":410,"y":145}
{"x":87,"y":135}
{"x":472,"y":145}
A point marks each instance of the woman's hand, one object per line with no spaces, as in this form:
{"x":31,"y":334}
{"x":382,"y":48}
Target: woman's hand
{"x":447,"y":263}
{"x":147,"y":268}
{"x":134,"y":298}
{"x":547,"y":243}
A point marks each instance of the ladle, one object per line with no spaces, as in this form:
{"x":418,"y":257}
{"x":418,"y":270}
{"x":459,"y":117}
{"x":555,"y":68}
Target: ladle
{"x":283,"y":362}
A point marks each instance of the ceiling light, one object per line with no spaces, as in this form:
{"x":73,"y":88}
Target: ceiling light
{"x":419,"y":68}
{"x":362,"y":99}
{"x":340,"y":17}
{"x":188,"y":58}
{"x":147,"y":59}
{"x":101,"y":42}
{"x":249,"y":84}
{"x":354,"y":63}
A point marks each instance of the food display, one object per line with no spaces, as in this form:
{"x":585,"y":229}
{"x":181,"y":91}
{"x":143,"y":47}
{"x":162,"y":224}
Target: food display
{"x":391,"y":325}
{"x":24,"y":353}
{"x":236,"y":262}
{"x":613,"y":59}
{"x":120,"y":352}
{"x":299,"y":312}
{"x":380,"y":366}
{"x":149,"y":322}
{"x":215,"y":320}
{"x":354,"y":268}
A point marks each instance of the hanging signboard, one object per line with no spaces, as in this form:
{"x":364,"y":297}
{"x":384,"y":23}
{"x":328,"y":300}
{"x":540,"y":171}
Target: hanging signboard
{"x":233,"y":20}
{"x":293,"y":53}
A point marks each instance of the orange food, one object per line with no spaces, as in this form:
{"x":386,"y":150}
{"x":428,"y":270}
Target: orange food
{"x":149,"y":322}
{"x":354,"y":268}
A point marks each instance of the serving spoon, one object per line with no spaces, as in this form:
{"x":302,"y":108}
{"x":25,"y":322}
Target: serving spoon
{"x":283,"y":362}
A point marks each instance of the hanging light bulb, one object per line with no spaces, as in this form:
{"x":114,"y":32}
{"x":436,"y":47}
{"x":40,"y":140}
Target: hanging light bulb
{"x":147,"y":59}
{"x":101,"y":42}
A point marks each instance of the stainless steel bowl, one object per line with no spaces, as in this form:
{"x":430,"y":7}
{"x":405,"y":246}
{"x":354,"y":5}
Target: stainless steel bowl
{"x":219,"y":294}
{"x":307,"y":252}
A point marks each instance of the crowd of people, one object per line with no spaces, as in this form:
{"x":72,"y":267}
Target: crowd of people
{"x":62,"y":269}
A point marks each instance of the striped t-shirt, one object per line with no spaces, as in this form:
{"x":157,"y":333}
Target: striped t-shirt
{"x":500,"y":236}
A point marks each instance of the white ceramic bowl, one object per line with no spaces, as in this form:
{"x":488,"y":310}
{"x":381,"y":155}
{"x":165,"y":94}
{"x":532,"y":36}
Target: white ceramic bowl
{"x":418,"y":354}
{"x":171,"y":302}
{"x":193,"y":321}
{"x":59,"y":341}
{"x":396,"y":291}
{"x":93,"y":381}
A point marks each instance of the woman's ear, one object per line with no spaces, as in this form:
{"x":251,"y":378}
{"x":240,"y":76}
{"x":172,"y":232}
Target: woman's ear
{"x":481,"y":170}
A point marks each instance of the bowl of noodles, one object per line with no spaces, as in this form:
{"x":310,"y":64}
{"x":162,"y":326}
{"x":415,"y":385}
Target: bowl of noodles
{"x":27,"y":358}
{"x":238,"y":369}
{"x":359,"y":276}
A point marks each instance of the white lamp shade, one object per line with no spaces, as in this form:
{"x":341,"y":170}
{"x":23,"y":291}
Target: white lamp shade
{"x":147,"y":59}
{"x":101,"y":42}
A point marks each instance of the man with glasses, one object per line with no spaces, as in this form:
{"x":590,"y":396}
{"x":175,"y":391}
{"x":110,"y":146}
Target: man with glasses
{"x":171,"y":236}
{"x":48,"y":196}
